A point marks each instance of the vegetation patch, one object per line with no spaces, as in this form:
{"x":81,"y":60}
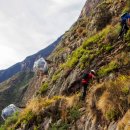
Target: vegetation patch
{"x":44,"y":88}
{"x":111,"y":114}
{"x":113,"y":100}
{"x":10,"y":121}
{"x":61,"y":126}
{"x":91,"y":40}
{"x":29,"y":114}
{"x":108,"y":47}
{"x":127,"y":37}
{"x":56,"y":76}
{"x":108,"y":68}
{"x":74,"y":113}
{"x":74,"y":58}
{"x":88,"y":50}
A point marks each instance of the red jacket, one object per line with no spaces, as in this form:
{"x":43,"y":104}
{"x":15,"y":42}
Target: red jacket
{"x":89,"y":77}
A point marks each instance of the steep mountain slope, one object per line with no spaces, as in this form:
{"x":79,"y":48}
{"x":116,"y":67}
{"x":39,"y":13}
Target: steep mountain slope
{"x":27,"y":63}
{"x":91,"y":43}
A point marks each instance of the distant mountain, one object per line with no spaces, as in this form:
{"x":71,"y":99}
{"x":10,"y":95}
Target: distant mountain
{"x":27,"y":64}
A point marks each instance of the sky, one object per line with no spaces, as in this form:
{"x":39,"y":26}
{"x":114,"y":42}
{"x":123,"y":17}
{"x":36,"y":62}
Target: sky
{"x":27,"y":26}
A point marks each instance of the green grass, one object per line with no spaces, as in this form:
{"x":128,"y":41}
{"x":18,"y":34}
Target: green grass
{"x":127,"y":37}
{"x":88,"y":50}
{"x":125,"y":90}
{"x":44,"y":87}
{"x":55,"y":77}
{"x":10,"y":121}
{"x":74,"y":113}
{"x":62,"y":126}
{"x":74,"y":58}
{"x":108,"y":47}
{"x":91,"y":40}
{"x":107,"y":68}
{"x":111,"y":114}
{"x":25,"y":119}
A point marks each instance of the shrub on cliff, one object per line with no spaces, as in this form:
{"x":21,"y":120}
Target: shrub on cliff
{"x":112,"y":98}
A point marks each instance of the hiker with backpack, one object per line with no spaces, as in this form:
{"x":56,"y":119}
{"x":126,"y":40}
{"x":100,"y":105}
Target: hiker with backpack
{"x":86,"y":78}
{"x":125,"y":21}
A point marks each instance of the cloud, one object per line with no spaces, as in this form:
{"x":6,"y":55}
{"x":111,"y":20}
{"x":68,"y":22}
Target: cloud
{"x":27,"y":26}
{"x":7,"y":56}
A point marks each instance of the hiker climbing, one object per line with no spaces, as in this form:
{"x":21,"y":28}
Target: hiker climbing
{"x":85,"y":81}
{"x":125,"y":23}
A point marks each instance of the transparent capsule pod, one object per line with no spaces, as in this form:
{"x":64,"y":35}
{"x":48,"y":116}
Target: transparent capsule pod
{"x":8,"y":111}
{"x":40,"y":67}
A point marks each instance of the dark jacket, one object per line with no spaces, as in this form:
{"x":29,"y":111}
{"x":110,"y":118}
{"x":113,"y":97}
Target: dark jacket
{"x":125,"y":17}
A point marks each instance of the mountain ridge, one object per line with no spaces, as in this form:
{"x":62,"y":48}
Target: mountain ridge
{"x":28,"y":62}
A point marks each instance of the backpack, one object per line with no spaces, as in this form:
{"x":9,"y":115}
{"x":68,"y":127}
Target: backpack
{"x":123,"y":17}
{"x":85,"y":75}
{"x":85,"y":78}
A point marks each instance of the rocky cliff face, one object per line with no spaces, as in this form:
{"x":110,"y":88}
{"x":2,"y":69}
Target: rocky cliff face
{"x":75,"y":38}
{"x":91,"y":43}
{"x":88,"y":7}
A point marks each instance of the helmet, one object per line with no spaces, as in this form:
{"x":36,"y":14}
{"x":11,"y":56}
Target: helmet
{"x":93,"y":72}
